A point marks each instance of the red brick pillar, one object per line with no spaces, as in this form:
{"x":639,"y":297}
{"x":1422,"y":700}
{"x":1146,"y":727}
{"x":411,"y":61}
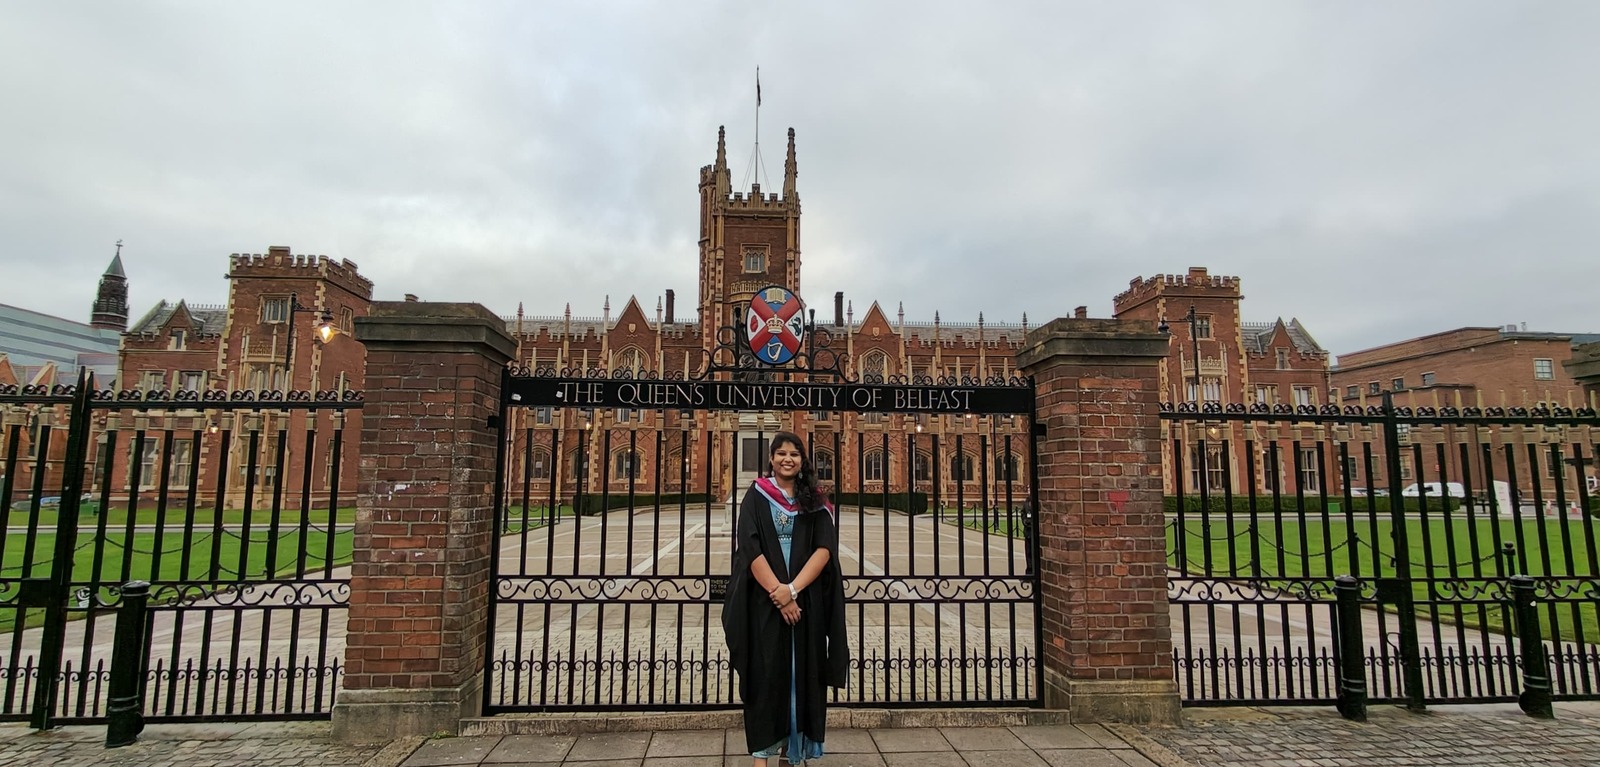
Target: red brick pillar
{"x":419,"y":578}
{"x":1107,"y":651}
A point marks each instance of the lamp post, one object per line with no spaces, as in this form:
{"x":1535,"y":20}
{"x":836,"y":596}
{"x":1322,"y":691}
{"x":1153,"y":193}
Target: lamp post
{"x":1194,"y":339}
{"x":324,"y":331}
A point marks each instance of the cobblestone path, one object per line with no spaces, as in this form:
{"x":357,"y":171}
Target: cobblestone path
{"x":208,"y":745}
{"x":1453,"y":736}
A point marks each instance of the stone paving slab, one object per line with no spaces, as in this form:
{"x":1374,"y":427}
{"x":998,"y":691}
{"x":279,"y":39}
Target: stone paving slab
{"x":310,"y":745}
{"x":1459,"y":736}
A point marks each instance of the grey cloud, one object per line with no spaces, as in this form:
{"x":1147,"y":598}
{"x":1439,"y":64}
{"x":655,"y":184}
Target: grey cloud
{"x":1377,"y":171}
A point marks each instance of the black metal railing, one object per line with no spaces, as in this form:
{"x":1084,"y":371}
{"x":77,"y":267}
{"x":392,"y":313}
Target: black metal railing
{"x":1437,"y":513}
{"x":236,"y":508}
{"x":616,"y":531}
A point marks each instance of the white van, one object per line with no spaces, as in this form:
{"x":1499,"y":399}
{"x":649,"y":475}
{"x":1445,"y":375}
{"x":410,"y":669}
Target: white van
{"x":1455,"y":489}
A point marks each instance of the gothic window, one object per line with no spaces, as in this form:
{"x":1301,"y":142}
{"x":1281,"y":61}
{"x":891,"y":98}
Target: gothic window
{"x":874,"y":467}
{"x":625,"y":465}
{"x":539,"y":464}
{"x":962,"y":468}
{"x":755,"y":259}
{"x":676,"y":468}
{"x":823,"y":462}
{"x":1202,"y":326}
{"x":1005,"y":467}
{"x":631,"y":359}
{"x":922,"y":468}
{"x":875,"y":363}
{"x":1283,"y":359}
{"x":1215,"y":462}
{"x":274,"y":310}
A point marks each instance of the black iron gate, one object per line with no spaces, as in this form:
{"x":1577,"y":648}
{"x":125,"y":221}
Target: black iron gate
{"x":616,"y":511}
{"x":235,"y":506}
{"x":1435,"y":512}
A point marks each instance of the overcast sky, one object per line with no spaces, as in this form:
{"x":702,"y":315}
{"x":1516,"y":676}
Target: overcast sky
{"x":1379,"y":170}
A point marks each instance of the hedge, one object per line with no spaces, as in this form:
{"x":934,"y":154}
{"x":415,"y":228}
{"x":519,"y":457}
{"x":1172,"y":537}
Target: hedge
{"x":910,"y":503}
{"x":593,"y":503}
{"x":1218,"y":504}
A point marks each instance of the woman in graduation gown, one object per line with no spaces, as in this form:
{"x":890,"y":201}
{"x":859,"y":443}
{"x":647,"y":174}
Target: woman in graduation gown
{"x":784,"y":615}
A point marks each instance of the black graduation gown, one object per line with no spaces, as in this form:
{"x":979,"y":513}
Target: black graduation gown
{"x":759,"y":639}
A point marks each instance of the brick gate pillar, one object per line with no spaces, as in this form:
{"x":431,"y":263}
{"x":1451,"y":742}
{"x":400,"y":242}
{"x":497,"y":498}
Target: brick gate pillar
{"x":419,"y":578}
{"x":1107,"y":651}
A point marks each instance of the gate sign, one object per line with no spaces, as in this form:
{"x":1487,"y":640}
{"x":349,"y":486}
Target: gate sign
{"x":775,"y":325}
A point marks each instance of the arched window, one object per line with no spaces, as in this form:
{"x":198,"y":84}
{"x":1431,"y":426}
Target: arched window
{"x":873,"y":471}
{"x":631,"y":359}
{"x":625,"y":465}
{"x":1005,"y":468}
{"x":539,"y":464}
{"x":922,"y":467}
{"x":822,"y":460}
{"x":875,"y":363}
{"x":676,"y":468}
{"x":961,"y":468}
{"x":577,"y":466}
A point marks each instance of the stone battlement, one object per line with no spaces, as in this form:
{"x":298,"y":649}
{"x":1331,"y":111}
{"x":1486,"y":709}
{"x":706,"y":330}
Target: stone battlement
{"x":279,"y":262}
{"x":1141,"y":290}
{"x":755,"y":202}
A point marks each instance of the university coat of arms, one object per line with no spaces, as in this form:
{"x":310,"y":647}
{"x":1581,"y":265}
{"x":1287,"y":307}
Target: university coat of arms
{"x":775,"y":325}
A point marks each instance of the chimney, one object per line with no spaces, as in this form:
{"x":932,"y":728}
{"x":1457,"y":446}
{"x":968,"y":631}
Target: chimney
{"x":411,"y":298}
{"x":670,"y":298}
{"x":1081,"y":313}
{"x":838,"y":309}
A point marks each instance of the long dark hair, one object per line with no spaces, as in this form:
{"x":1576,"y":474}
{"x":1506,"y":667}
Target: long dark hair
{"x":806,"y":495}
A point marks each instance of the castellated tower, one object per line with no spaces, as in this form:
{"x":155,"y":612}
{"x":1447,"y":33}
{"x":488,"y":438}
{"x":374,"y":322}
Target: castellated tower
{"x":262,"y":290}
{"x":1217,"y":330}
{"x":111,"y":302}
{"x":746,"y":241}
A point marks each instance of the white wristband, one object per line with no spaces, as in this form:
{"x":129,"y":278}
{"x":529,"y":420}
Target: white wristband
{"x":793,"y":593}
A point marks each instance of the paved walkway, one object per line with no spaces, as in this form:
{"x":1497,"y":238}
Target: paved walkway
{"x":306,"y":745}
{"x":1459,"y":736}
{"x":183,"y":745}
{"x":1477,"y":736}
{"x":1058,"y":746}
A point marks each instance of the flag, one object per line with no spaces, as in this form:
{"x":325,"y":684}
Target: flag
{"x":758,"y":86}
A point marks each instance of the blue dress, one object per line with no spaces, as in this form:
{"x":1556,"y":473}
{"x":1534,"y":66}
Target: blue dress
{"x":797,"y":742}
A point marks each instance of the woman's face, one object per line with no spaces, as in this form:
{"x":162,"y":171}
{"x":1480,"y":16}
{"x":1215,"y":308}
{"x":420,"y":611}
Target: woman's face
{"x":786,"y":461}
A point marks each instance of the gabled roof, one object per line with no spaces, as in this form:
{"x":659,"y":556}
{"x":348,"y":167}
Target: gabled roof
{"x":1257,"y":335}
{"x":208,"y":320}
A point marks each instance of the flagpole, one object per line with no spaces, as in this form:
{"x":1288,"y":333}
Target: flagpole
{"x":758,"y":125}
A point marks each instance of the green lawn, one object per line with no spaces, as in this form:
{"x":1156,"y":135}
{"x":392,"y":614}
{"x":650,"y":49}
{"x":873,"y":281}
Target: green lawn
{"x":203,"y":556}
{"x":1437,"y":548}
{"x":147,"y":514}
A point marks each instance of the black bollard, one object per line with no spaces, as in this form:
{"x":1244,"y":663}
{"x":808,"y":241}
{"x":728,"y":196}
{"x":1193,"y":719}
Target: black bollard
{"x":1535,"y":697}
{"x":1352,"y":668}
{"x":124,"y":714}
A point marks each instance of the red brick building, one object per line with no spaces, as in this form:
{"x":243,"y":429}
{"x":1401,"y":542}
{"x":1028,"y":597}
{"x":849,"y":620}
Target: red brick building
{"x":749,"y":241}
{"x":1481,"y":367}
{"x":1239,"y":363}
{"x":264,"y":336}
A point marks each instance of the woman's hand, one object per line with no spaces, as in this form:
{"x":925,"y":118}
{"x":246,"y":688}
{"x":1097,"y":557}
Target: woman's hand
{"x":779,"y":596}
{"x":790,"y":613}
